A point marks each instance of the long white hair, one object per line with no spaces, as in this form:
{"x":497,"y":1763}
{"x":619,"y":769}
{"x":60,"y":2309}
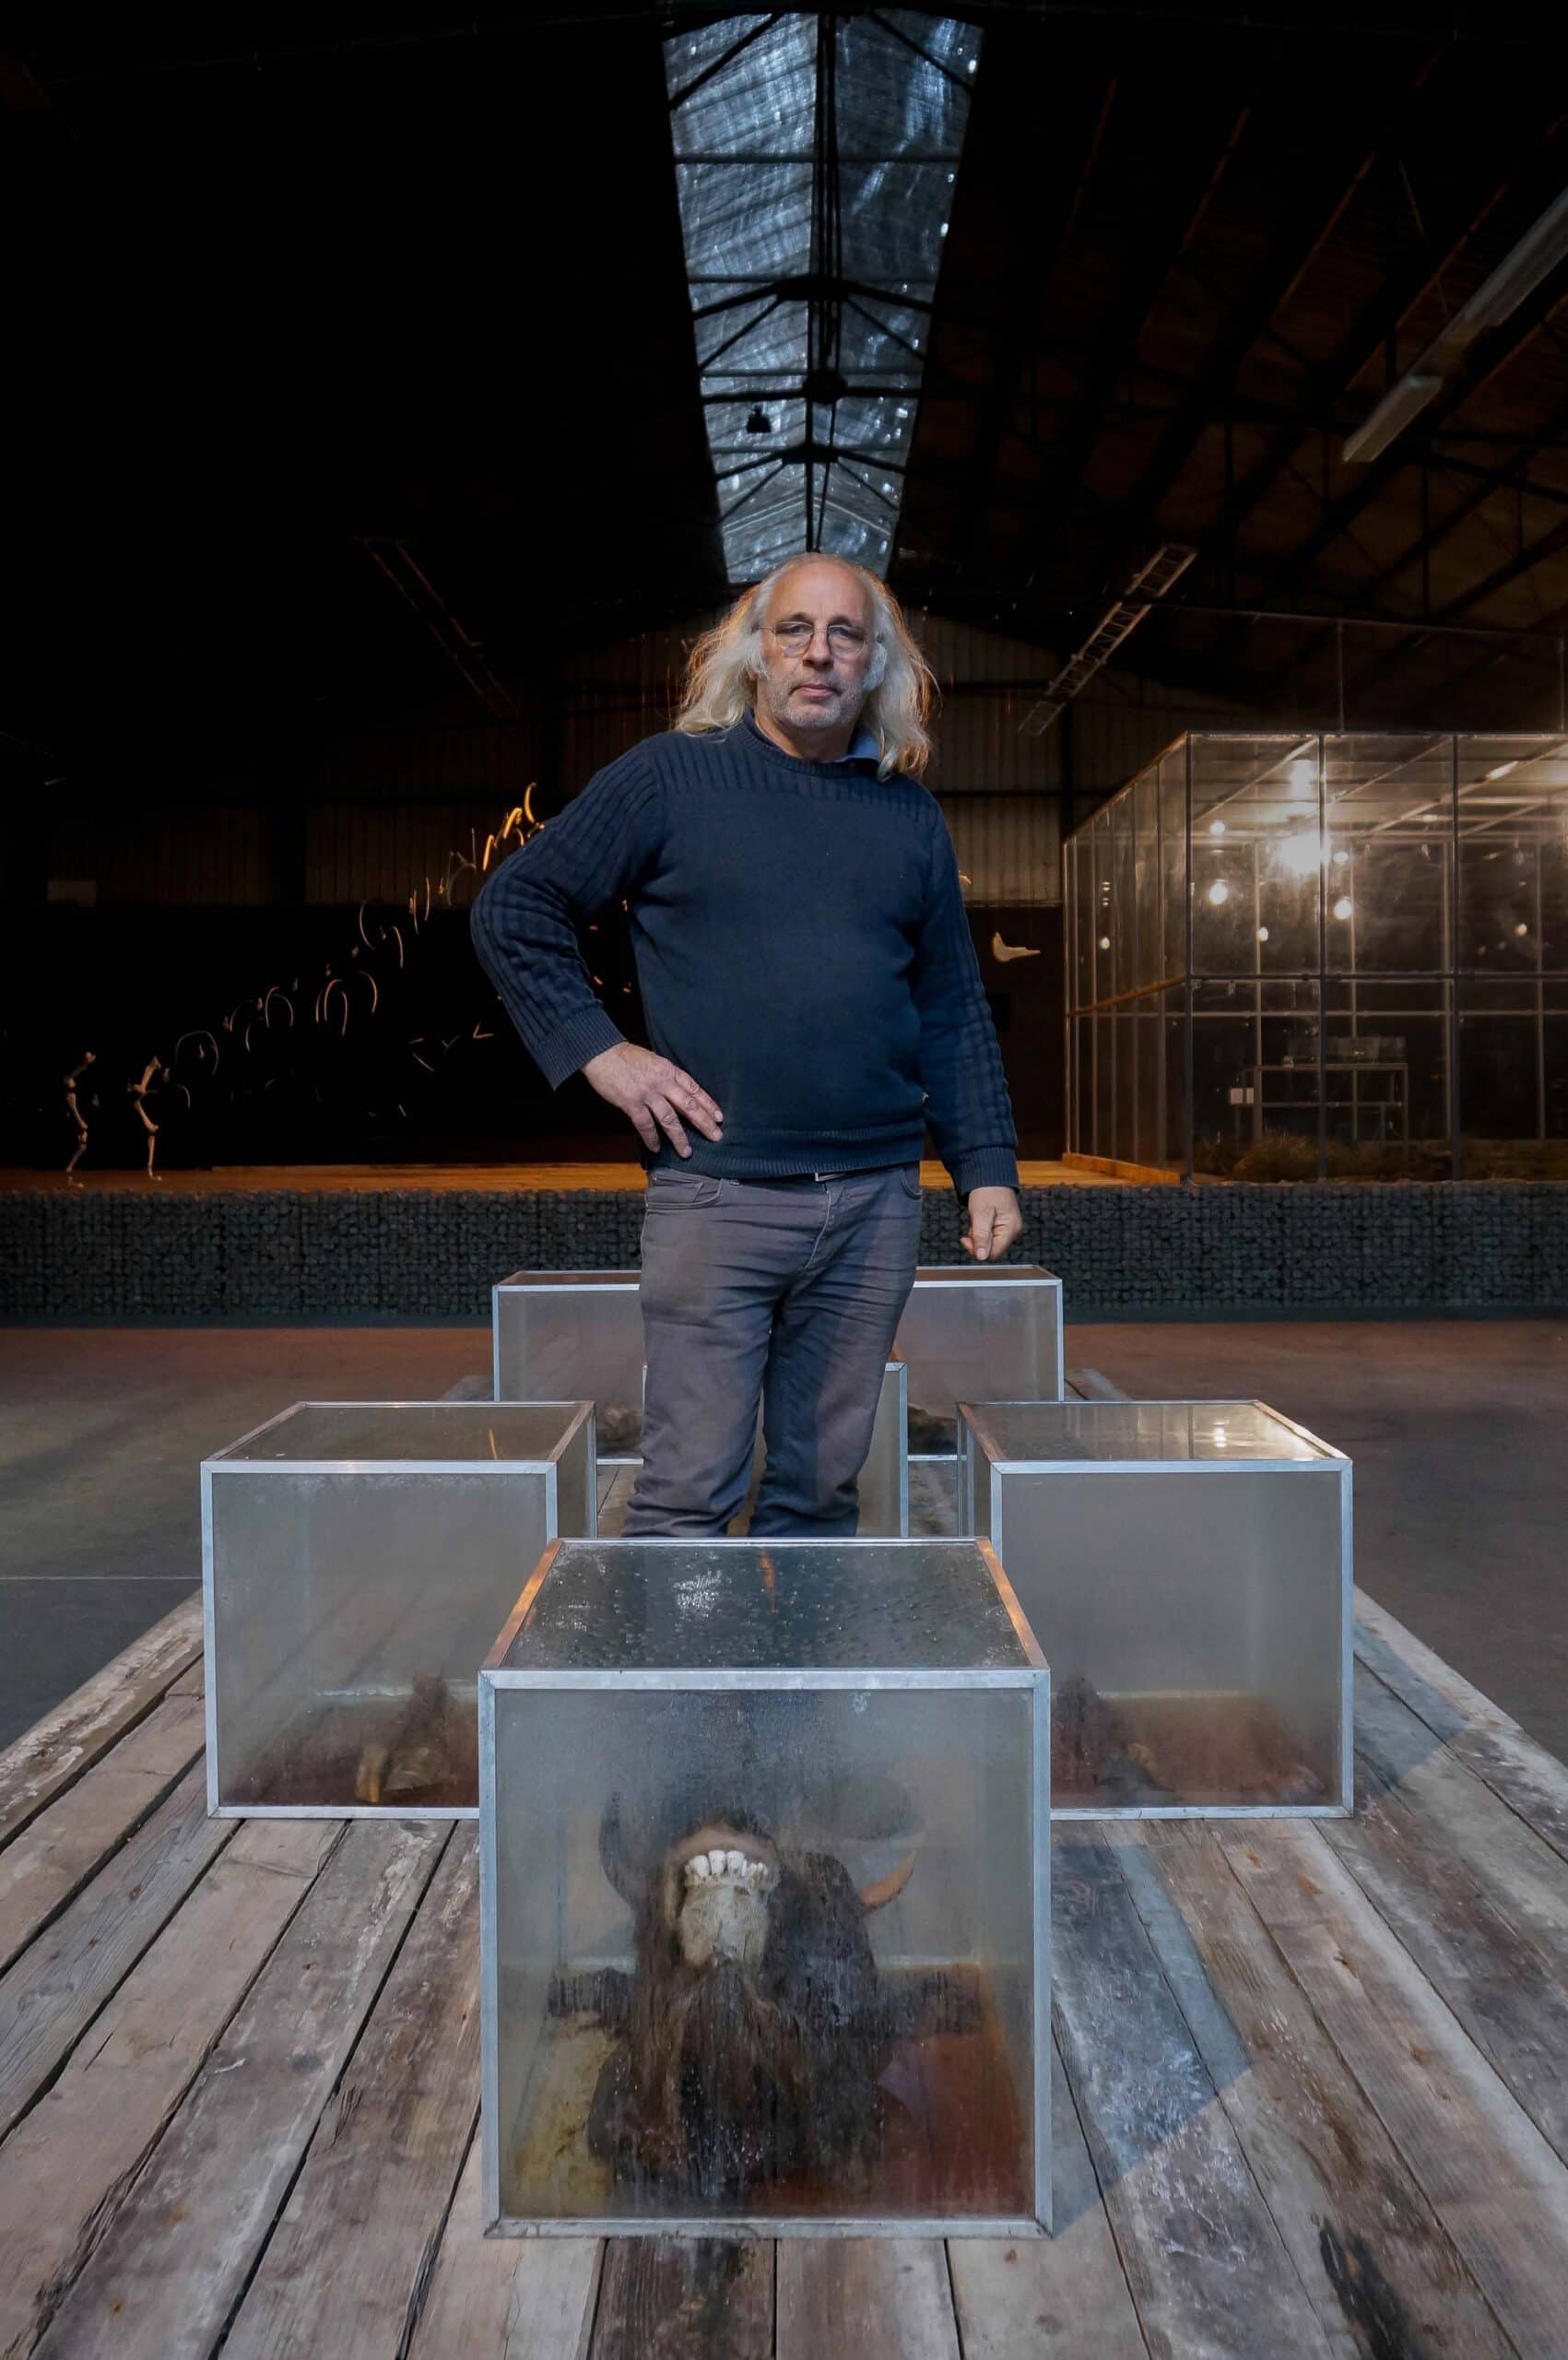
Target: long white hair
{"x":727,"y":662}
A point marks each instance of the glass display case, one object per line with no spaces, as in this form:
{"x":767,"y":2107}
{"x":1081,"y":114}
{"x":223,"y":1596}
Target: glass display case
{"x":764,"y":1925}
{"x":582,"y":1331}
{"x":970,"y":1330}
{"x":1186,"y":1567}
{"x":574,"y":1336}
{"x":1293,"y":956}
{"x":357,"y":1559}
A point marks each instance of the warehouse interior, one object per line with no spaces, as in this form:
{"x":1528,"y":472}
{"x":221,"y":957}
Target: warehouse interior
{"x":397,"y":397}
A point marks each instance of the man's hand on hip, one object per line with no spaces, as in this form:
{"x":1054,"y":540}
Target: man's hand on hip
{"x":653,"y":1093}
{"x":994,"y":1222}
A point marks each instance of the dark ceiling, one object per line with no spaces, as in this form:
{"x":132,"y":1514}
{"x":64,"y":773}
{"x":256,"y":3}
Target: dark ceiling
{"x":1186,"y":259}
{"x":354,"y":369}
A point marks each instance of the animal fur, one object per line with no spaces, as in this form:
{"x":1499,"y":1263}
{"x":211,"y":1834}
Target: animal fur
{"x":754,"y":2026}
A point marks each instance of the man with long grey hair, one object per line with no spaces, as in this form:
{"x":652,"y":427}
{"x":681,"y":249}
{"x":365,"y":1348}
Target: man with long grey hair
{"x":814,"y":1004}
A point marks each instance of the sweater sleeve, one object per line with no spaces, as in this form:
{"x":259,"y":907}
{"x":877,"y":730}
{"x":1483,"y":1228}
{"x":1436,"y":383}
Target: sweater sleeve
{"x":968,"y":1109}
{"x":527,"y":919}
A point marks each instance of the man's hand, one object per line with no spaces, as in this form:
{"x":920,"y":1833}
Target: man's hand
{"x":652,"y":1092}
{"x":994,"y":1222}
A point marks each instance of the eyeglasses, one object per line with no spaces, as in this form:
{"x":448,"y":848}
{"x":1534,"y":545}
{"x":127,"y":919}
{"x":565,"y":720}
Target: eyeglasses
{"x":845,"y":639}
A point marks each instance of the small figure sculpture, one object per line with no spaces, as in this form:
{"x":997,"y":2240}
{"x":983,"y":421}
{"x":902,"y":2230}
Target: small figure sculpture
{"x":73,"y":1107}
{"x":138,"y":1093}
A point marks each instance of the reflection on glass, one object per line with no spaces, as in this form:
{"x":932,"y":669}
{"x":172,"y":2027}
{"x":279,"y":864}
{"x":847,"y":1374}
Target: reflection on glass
{"x":1063,"y":1430}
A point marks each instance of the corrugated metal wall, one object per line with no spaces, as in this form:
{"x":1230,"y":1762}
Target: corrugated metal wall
{"x":1009,"y":846}
{"x":370,"y":821}
{"x":172,"y":855}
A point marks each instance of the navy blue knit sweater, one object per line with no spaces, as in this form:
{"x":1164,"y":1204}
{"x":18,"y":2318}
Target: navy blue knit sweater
{"x":801,"y":946}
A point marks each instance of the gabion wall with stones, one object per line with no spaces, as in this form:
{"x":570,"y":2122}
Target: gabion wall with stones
{"x":390,"y":1254}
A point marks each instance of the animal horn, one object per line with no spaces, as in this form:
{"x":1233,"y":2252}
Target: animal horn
{"x":616,"y":1854}
{"x":888,"y":1888}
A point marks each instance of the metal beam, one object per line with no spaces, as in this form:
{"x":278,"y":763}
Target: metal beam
{"x":1025,"y":293}
{"x":1540,"y":552}
{"x":1321,"y":192}
{"x":1117,"y":623}
{"x":1419,"y":272}
{"x":1156,"y":182}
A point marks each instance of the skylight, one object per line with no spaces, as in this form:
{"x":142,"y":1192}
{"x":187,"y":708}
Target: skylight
{"x":816,"y":162}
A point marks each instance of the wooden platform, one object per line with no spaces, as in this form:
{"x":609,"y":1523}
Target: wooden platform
{"x":1311,"y":2079}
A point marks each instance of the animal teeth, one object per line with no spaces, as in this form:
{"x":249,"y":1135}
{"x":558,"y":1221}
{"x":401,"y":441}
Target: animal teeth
{"x":696,"y":1868}
{"x":716,"y":1864}
{"x":736,"y":1863}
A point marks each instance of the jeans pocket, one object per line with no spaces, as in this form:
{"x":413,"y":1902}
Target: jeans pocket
{"x":909,"y":1179}
{"x":682,"y":1189}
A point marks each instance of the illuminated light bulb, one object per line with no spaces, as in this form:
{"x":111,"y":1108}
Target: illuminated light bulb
{"x":1104,"y":942}
{"x":1521,"y":928}
{"x":1218,"y":893}
{"x":1340,"y":858}
{"x":1301,"y":855}
{"x":1263,"y":934}
{"x":1217,"y":827}
{"x":1503,"y":770}
{"x":1343,"y":907}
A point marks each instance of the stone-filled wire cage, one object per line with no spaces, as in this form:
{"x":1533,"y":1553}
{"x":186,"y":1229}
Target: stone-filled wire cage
{"x":1299,"y":956}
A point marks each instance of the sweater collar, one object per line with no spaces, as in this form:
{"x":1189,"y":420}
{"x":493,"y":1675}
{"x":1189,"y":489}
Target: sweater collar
{"x":864,"y":753}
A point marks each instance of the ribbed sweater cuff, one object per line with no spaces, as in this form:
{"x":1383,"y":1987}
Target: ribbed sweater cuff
{"x":985,"y":1167}
{"x":568,"y":1049}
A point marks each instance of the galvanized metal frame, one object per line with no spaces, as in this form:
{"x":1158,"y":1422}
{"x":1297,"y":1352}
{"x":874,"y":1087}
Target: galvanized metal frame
{"x":1034,"y":1677}
{"x":223,"y":1462}
{"x":972,"y":1448}
{"x":898,"y":1369}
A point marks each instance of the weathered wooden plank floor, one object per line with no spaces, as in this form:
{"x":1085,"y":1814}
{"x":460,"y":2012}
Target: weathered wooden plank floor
{"x":1309,"y":2079}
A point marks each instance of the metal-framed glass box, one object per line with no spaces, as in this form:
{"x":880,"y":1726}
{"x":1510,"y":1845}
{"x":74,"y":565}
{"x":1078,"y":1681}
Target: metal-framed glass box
{"x":972,"y":1330}
{"x":574,"y":1336}
{"x":1187,"y":1568}
{"x":1298,"y":955}
{"x":765,"y":1923}
{"x":357,"y":1560}
{"x":580,"y":1333}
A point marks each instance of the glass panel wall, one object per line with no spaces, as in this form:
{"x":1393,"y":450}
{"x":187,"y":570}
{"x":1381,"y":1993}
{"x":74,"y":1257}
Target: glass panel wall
{"x":1298,"y":956}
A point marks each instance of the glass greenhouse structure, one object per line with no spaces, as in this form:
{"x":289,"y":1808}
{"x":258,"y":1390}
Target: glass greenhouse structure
{"x":1291,"y":957}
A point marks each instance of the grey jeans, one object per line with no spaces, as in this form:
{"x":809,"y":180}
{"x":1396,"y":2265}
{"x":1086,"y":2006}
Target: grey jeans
{"x":788,"y":1293}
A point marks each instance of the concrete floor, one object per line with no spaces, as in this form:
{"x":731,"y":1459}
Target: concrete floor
{"x":1458,"y":1430}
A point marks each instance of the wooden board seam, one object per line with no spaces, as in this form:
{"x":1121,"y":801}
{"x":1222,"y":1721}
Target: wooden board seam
{"x":286,"y":2192}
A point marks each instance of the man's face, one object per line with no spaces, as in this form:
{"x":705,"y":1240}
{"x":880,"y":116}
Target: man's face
{"x":816,"y":648}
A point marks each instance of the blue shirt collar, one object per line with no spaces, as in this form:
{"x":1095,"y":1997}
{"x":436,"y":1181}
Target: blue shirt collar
{"x":863,"y":745}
